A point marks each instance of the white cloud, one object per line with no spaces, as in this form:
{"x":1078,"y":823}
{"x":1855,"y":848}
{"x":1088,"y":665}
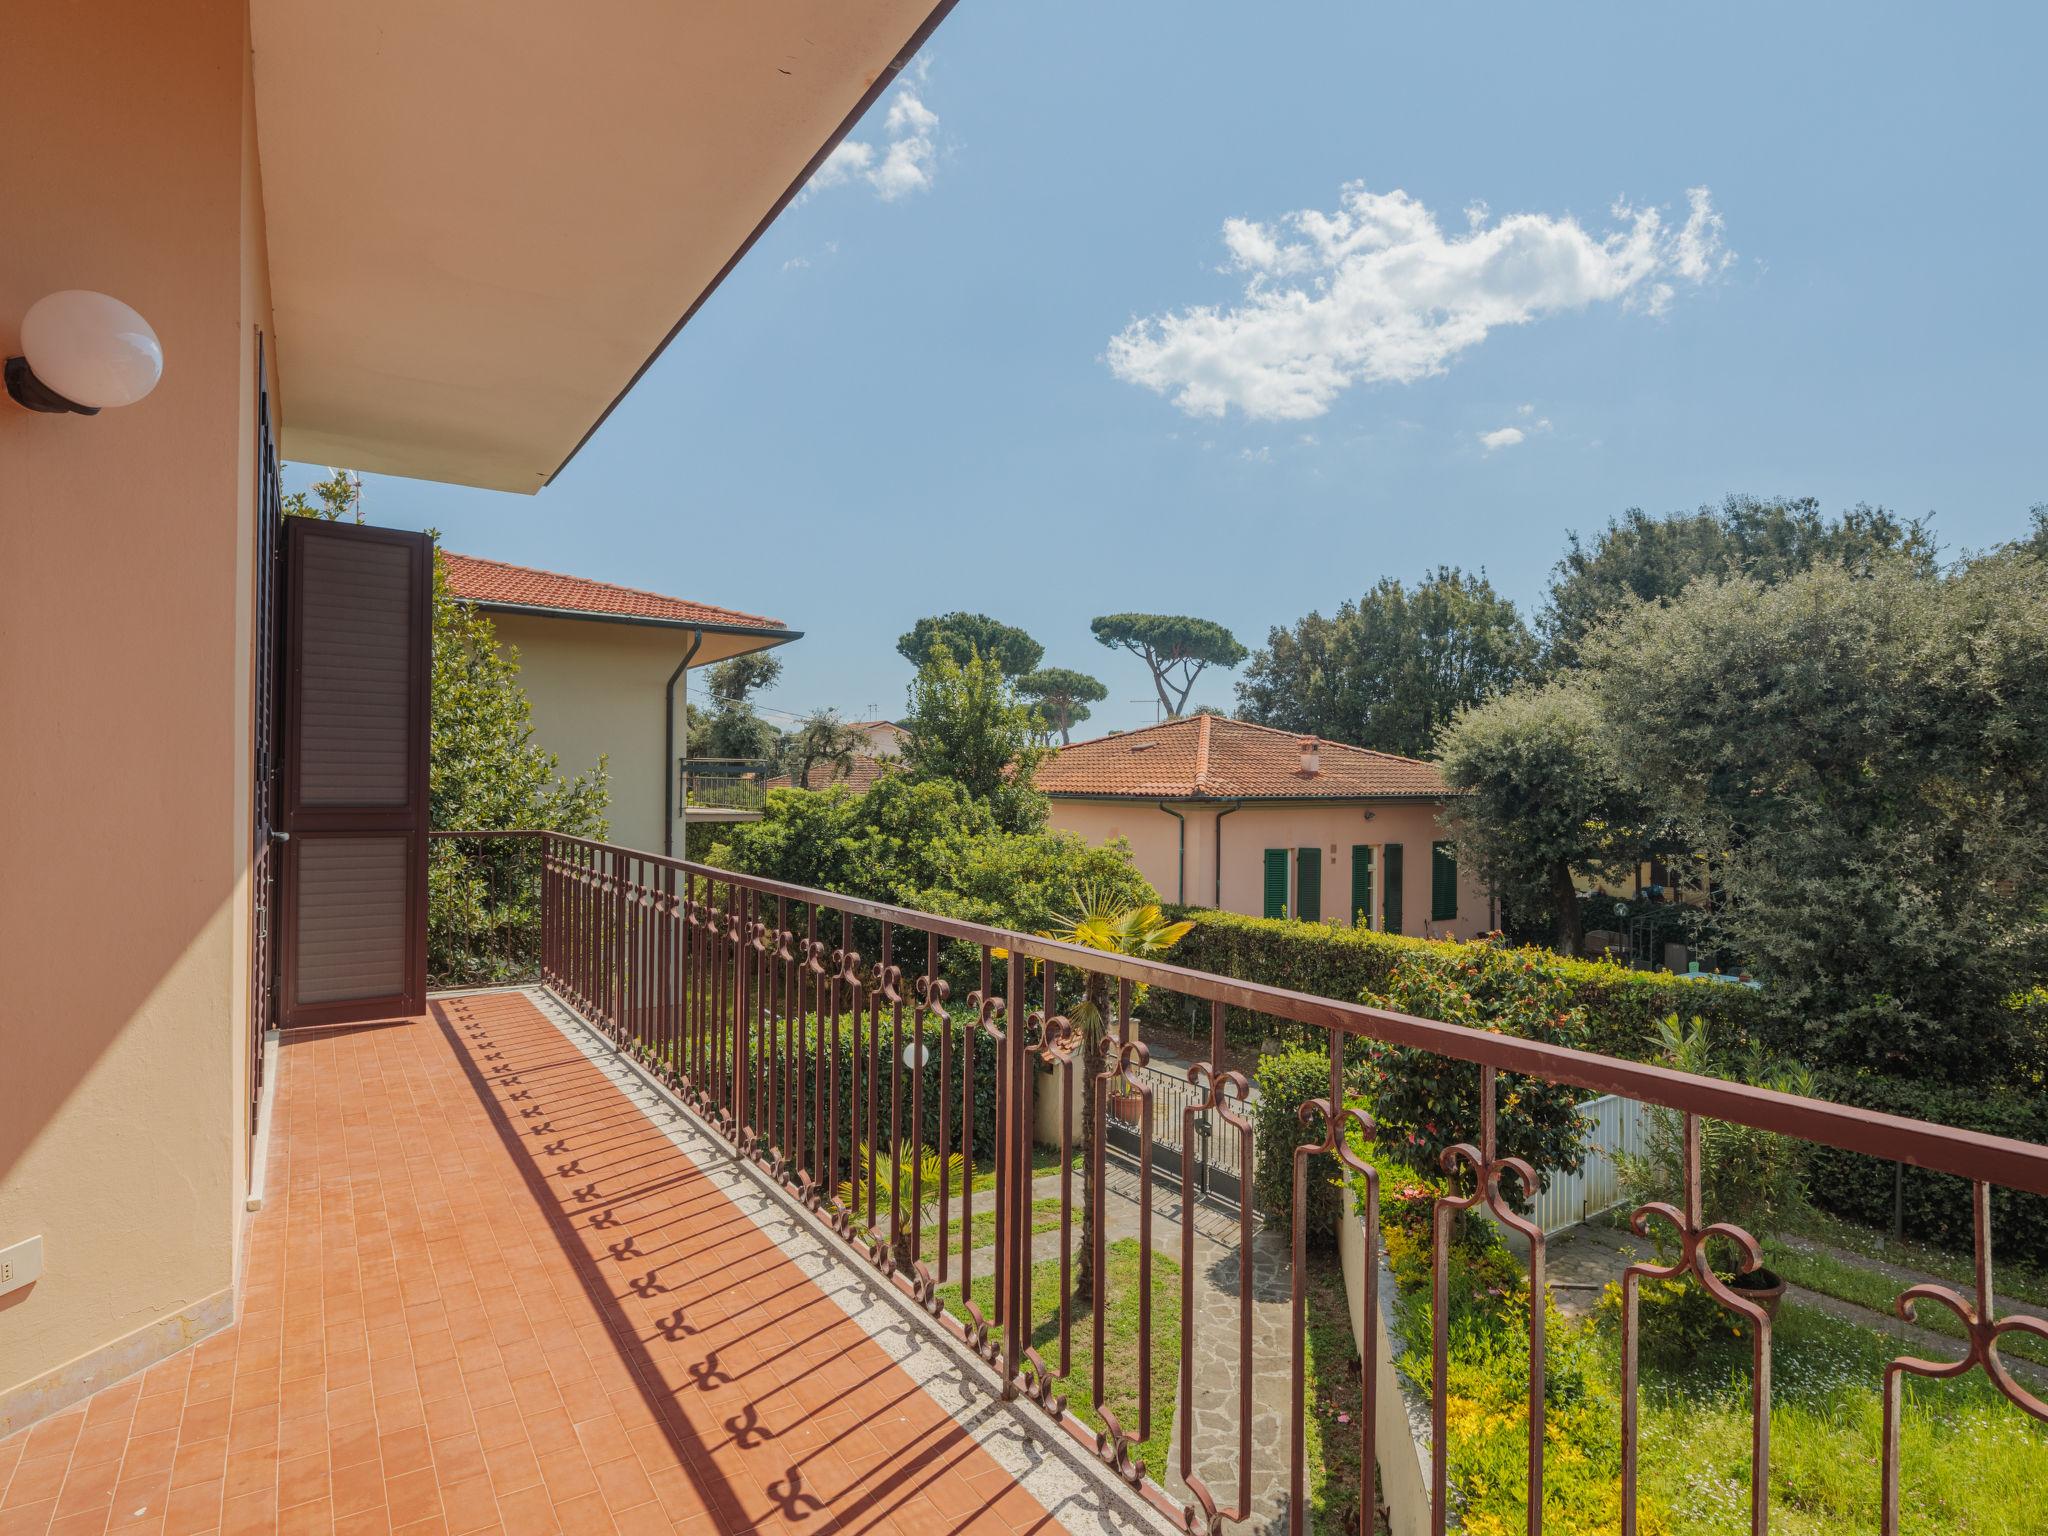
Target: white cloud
{"x":1384,"y":296}
{"x":902,"y":163}
{"x":796,"y":263}
{"x":1525,"y":410}
{"x":1502,"y":437}
{"x":1256,"y":455}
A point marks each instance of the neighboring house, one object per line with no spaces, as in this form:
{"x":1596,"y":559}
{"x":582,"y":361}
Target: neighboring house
{"x":859,"y":778}
{"x":606,"y":670}
{"x":885,"y":737}
{"x":1224,"y":814}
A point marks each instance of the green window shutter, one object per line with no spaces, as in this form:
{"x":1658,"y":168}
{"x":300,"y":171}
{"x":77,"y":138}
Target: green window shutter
{"x":1361,"y":884}
{"x":1308,"y":884}
{"x":1443,"y":882}
{"x":1276,"y":882}
{"x":1390,"y":889}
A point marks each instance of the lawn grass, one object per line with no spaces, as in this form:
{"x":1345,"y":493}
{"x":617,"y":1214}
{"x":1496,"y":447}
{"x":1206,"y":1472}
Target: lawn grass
{"x":1045,"y":1215}
{"x":1974,"y":1464}
{"x":1335,"y":1402}
{"x":2019,"y":1281}
{"x":1044,"y":1160}
{"x":1830,"y":1276}
{"x":1120,"y":1353}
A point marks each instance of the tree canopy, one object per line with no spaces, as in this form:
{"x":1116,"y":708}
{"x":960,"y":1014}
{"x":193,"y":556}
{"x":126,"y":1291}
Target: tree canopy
{"x":1062,"y":696}
{"x":1542,"y":797}
{"x":820,"y":737}
{"x":968,"y":725}
{"x":736,"y":681}
{"x":1176,"y":649}
{"x":485,"y":773}
{"x":1638,"y":558}
{"x":965,"y":634}
{"x":1864,"y":759}
{"x":1391,"y":669}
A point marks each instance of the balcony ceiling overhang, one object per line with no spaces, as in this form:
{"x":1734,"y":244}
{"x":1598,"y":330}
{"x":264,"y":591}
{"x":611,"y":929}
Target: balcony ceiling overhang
{"x":485,"y":221}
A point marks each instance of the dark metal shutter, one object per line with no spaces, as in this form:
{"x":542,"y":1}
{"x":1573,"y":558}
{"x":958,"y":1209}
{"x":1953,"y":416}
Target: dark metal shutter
{"x":1361,"y":884}
{"x":1390,"y":888}
{"x":1308,"y":884}
{"x":1276,"y":882}
{"x":358,"y":639}
{"x":1443,"y":882}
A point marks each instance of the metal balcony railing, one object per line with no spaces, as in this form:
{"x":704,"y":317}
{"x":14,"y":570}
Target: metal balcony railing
{"x":726,"y":783}
{"x":815,"y":1032}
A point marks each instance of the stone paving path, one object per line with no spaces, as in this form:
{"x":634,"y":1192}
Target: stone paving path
{"x":1213,"y":1398}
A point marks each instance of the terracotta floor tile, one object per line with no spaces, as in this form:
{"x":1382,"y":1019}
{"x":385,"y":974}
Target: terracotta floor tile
{"x":194,"y":1508}
{"x":435,"y":1337}
{"x":469,"y":1505}
{"x":37,"y":1479}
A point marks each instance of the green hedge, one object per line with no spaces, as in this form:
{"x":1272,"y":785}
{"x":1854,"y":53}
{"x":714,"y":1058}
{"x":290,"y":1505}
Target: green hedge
{"x":1621,"y":1005}
{"x":811,"y":1045}
{"x":1288,"y":1079}
{"x":1937,"y":1205}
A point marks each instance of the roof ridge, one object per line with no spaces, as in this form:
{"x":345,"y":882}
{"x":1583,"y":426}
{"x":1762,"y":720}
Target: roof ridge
{"x":755,"y":619}
{"x":1328,"y":741}
{"x":1202,"y":753}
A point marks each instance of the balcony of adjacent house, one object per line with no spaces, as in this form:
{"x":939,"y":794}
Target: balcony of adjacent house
{"x":698,"y":1202}
{"x":724,"y":789}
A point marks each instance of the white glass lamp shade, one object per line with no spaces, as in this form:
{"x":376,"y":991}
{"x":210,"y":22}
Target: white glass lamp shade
{"x":92,"y":349}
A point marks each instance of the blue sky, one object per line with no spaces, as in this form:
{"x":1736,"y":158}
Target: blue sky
{"x":912,"y":396}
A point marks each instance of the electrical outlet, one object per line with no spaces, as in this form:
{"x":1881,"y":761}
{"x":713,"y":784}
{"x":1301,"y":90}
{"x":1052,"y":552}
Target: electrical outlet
{"x":21,"y":1265}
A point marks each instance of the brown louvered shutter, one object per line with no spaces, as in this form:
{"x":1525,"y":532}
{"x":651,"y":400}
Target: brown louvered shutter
{"x":358,"y":617}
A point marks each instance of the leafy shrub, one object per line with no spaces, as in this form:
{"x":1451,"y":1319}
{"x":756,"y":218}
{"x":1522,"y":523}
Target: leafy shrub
{"x":1937,"y":1205}
{"x":1432,"y":1102}
{"x":814,"y":1078}
{"x":1621,"y":1006}
{"x":1286,"y":1080}
{"x":929,"y":846}
{"x":1753,"y":1178}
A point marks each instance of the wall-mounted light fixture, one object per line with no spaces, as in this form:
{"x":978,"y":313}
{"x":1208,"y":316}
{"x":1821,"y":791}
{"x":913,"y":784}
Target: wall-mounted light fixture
{"x":82,"y":352}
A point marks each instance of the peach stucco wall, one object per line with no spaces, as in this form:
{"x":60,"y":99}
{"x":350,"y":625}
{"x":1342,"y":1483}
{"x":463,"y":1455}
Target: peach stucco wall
{"x":1252,"y":828}
{"x":124,"y":674}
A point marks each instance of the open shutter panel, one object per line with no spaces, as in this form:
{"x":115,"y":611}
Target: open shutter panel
{"x":1443,"y":882}
{"x":1308,"y":884}
{"x":1390,"y":889}
{"x":1276,"y":882}
{"x":1361,"y":884}
{"x":354,"y":876}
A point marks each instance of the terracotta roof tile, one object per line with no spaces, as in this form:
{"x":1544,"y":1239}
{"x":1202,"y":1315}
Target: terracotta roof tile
{"x":824,"y":775}
{"x":493,"y":581}
{"x":1216,"y":758}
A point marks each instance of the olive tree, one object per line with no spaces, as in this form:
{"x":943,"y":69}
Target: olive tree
{"x":1541,"y":797}
{"x":1864,"y":758}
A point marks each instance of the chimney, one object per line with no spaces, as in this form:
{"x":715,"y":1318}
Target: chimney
{"x":1311,"y":756}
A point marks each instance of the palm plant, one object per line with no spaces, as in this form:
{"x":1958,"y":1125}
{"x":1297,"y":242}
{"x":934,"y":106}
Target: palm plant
{"x":1104,"y":921}
{"x":910,"y":1178}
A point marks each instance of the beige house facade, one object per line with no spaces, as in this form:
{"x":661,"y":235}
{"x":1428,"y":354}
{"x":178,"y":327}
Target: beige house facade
{"x":1221,"y":813}
{"x":499,"y":277}
{"x":606,"y":670}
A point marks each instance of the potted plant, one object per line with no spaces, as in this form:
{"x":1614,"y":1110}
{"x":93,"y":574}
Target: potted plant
{"x":1749,"y":1178}
{"x":1125,"y":1102}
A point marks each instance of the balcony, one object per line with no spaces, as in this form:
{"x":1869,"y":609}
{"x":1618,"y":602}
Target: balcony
{"x":725,"y":788}
{"x":620,"y":1243}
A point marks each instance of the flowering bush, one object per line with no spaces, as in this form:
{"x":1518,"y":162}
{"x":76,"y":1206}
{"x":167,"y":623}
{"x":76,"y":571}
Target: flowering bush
{"x":1430,"y":1102}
